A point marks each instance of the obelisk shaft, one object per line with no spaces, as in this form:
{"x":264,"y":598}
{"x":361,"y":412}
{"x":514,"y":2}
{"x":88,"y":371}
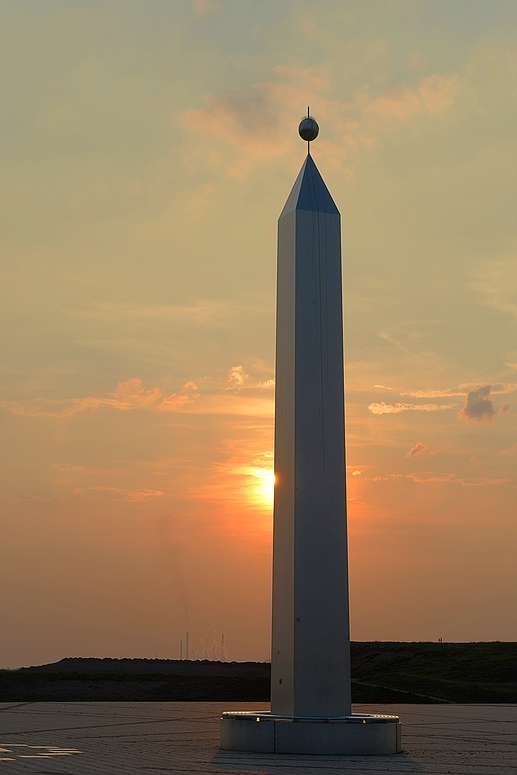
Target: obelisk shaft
{"x":311,"y":642}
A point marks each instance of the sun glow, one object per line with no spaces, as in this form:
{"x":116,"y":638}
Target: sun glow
{"x":244,"y":479}
{"x":264,"y":487}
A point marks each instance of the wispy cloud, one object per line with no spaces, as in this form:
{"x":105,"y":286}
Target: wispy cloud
{"x":126,"y":396}
{"x":389,"y":338}
{"x":496,"y":280}
{"x":424,"y":477}
{"x":41,"y":407}
{"x":432,"y":96}
{"x":446,"y":393}
{"x":238,"y":395}
{"x":116,"y":493}
{"x":479,"y":481}
{"x":417,"y":450}
{"x":203,"y":311}
{"x":430,"y":476}
{"x":385,"y":478}
{"x":256,"y":122}
{"x":499,"y":388}
{"x":231,"y":403}
{"x":382,"y":387}
{"x":268,"y":384}
{"x":382,"y":408}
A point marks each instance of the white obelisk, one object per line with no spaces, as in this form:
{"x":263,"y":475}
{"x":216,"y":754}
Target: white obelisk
{"x":310,"y":660}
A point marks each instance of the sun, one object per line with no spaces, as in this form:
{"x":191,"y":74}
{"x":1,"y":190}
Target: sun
{"x":263,"y":488}
{"x":246,"y":478}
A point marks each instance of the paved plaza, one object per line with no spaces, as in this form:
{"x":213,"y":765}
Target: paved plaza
{"x":83,"y":738}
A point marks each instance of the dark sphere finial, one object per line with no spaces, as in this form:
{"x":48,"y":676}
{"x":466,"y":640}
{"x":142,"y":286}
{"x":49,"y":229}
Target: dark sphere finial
{"x":308,"y":129}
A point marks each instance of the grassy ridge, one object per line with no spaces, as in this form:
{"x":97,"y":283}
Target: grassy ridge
{"x":451,"y":672}
{"x":381,"y":672}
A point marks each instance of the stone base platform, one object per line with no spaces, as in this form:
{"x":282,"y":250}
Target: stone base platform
{"x":360,"y":735}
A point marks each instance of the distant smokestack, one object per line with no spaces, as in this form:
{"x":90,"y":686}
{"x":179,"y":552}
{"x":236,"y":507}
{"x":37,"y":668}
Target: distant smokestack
{"x":215,"y":644}
{"x":181,"y":649}
{"x":186,"y":643}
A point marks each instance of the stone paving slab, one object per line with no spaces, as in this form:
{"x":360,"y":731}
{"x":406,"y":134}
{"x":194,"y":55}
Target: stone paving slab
{"x":107,"y":738}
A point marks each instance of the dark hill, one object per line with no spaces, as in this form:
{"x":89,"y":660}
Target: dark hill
{"x":381,"y":672}
{"x":152,"y":667}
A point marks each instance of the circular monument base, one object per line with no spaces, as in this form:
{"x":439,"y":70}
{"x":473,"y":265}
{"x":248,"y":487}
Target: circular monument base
{"x":264,"y":732}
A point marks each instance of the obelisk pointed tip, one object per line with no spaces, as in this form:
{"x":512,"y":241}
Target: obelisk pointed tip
{"x":309,"y":191}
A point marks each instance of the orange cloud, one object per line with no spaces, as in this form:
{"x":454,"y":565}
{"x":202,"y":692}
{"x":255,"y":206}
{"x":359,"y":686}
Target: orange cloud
{"x":430,"y":476}
{"x":131,"y":395}
{"x":478,"y":481}
{"x":448,"y":392}
{"x":432,"y":96}
{"x":233,"y":404}
{"x":256,"y":123}
{"x":237,"y":377}
{"x":425,"y":477}
{"x":418,"y":449}
{"x":127,"y":396}
{"x":383,"y":387}
{"x":460,"y":390}
{"x":385,"y":478}
{"x":267,"y":385}
{"x":382,"y":408}
{"x":40,"y":407}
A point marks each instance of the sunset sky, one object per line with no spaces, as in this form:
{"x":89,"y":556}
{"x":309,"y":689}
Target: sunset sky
{"x":148,"y":147}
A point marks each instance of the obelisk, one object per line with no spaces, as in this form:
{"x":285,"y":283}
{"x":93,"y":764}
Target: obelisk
{"x":310,"y":659}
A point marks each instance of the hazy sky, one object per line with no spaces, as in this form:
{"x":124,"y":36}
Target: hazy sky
{"x":148,"y":147}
